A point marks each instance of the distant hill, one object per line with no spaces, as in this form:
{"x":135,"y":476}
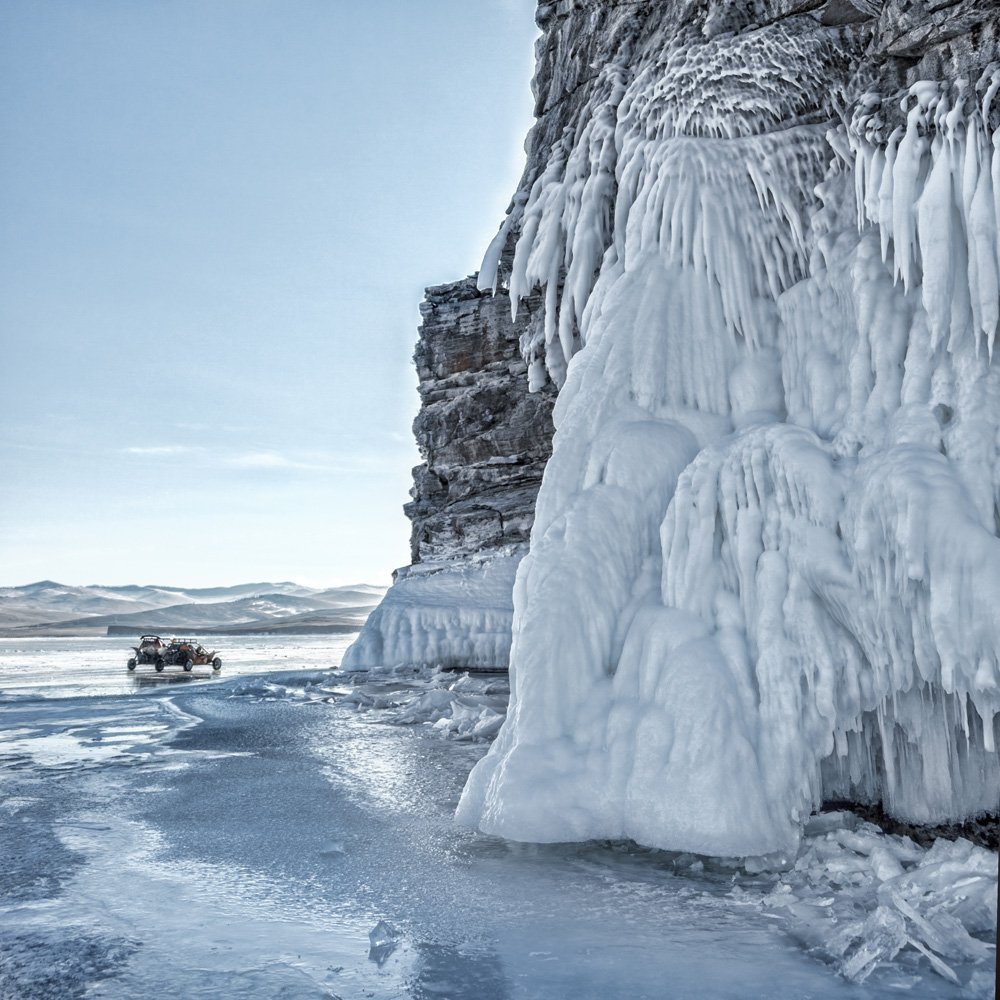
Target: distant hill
{"x":50,"y":608}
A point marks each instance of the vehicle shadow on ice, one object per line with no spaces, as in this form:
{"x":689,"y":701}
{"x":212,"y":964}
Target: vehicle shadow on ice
{"x":139,"y":681}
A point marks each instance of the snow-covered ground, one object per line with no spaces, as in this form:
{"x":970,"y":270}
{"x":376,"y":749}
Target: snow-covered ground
{"x":289,"y":834}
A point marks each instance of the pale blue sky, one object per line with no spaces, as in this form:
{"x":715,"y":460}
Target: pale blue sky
{"x":216,"y":221}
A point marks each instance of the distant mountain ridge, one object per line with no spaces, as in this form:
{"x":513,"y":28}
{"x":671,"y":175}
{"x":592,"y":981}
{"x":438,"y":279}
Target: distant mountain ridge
{"x":47,"y":607}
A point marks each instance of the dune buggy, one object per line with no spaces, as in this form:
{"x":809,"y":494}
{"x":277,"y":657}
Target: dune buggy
{"x":189,"y":654}
{"x":149,"y":650}
{"x":184,"y":653}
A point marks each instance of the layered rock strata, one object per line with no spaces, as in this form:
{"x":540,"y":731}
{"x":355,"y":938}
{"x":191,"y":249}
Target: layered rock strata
{"x":485,"y":439}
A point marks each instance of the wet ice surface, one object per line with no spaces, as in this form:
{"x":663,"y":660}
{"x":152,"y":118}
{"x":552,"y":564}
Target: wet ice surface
{"x":291,"y":835}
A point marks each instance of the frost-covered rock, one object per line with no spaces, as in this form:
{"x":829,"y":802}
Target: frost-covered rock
{"x":764,"y":569}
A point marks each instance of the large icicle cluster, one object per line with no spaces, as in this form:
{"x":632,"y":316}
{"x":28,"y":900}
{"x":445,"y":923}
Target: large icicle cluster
{"x":765,"y":569}
{"x":933,"y":189}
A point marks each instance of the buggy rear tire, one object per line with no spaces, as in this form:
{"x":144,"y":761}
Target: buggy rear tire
{"x":217,"y":664}
{"x":188,"y":666}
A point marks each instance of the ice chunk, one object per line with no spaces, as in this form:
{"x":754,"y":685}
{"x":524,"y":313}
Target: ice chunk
{"x":384,"y":939}
{"x":460,"y":706}
{"x":866,"y":900}
{"x":879,"y":939}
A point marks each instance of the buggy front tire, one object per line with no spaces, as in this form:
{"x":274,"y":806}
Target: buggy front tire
{"x":188,"y":666}
{"x":159,"y":664}
{"x":217,"y":664}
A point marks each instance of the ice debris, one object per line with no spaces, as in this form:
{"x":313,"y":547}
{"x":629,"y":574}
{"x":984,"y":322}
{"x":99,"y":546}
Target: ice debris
{"x":461,"y":706}
{"x":858,"y":898}
{"x":384,"y":939}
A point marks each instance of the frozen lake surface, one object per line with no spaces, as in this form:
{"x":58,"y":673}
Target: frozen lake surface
{"x":64,"y":667}
{"x":288,"y":834}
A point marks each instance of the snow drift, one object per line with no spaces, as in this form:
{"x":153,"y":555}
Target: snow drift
{"x":764,"y":570}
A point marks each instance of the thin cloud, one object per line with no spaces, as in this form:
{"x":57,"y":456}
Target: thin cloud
{"x":520,"y":7}
{"x":320,"y":462}
{"x":399,"y":438}
{"x":160,"y":449}
{"x":271,"y":460}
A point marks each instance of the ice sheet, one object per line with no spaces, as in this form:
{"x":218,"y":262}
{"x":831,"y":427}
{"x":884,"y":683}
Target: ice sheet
{"x":256,"y":831}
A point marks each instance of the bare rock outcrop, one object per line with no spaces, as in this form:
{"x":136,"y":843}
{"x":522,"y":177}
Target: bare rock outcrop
{"x":485,"y":439}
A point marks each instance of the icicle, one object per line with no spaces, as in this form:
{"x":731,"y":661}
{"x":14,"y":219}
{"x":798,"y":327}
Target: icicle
{"x":984,"y":247}
{"x":906,"y":171}
{"x":995,"y":180}
{"x":487,"y":281}
{"x":934,"y":234}
{"x":886,"y":193}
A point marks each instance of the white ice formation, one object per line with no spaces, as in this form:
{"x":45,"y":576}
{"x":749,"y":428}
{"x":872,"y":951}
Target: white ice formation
{"x":764,"y":571}
{"x":440,"y":615}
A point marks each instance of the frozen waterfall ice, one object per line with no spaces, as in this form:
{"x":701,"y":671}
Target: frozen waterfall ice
{"x":764,"y":570}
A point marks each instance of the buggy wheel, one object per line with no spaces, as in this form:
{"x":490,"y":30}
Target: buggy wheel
{"x":217,"y":664}
{"x":159,"y":664}
{"x":188,"y":666}
{"x":131,"y":664}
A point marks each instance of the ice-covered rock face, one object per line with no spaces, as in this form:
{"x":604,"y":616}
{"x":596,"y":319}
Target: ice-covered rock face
{"x":485,"y":440}
{"x":764,"y":567}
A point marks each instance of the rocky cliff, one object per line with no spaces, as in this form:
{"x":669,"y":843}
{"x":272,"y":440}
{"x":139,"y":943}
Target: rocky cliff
{"x":767,"y":234}
{"x":485,"y":439}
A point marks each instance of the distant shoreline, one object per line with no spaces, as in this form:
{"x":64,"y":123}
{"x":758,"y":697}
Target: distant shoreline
{"x":123,"y":631}
{"x":50,"y":610}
